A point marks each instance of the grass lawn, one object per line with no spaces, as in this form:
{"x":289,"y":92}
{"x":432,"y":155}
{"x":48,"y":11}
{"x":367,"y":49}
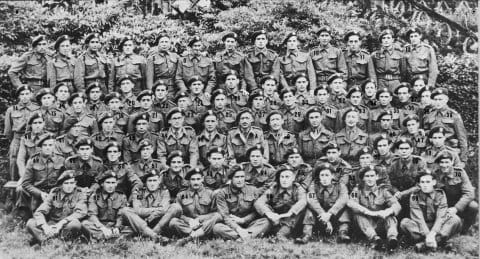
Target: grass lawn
{"x":14,"y":244}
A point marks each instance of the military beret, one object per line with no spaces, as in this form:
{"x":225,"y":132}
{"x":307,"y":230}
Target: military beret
{"x":234,"y":169}
{"x":439,"y":91}
{"x":380,"y":138}
{"x":386,"y":32}
{"x":70,"y":123}
{"x":91,"y":86}
{"x":231,"y":35}
{"x":330,"y":146}
{"x":291,"y":34}
{"x":35,"y":116}
{"x":438,"y":129}
{"x":208,"y":113}
{"x":383,"y":114}
{"x":312,"y":110}
{"x":255,"y":147}
{"x":354,"y":89}
{"x":21,"y":89}
{"x":363,"y":151}
{"x":281,"y":169}
{"x":426,"y":88}
{"x":76,"y":95}
{"x":241,"y":112}
{"x":400,"y":141}
{"x":42,"y":92}
{"x":142,"y":116}
{"x":113,"y":144}
{"x":107,"y":115}
{"x":193,"y":171}
{"x":351,"y":109}
{"x":216,"y":149}
{"x":352,"y":33}
{"x":273,"y":112}
{"x":106,"y":175}
{"x":422,"y":173}
{"x":60,"y":40}
{"x":321,"y":87}
{"x":292,"y":151}
{"x":194,"y":79}
{"x":412,"y":30}
{"x":84,"y":142}
{"x":254,"y":94}
{"x":123,"y":78}
{"x":402,"y":85}
{"x":268,"y":77}
{"x":181,"y":95}
{"x":419,"y":77}
{"x":321,"y":167}
{"x":410,"y":117}
{"x":333,"y":77}
{"x":287,"y":90}
{"x":172,"y":155}
{"x":123,"y":41}
{"x":366,"y":169}
{"x":38,"y":39}
{"x":193,"y":40}
{"x":444,"y":154}
{"x":232,"y":72}
{"x":158,"y":83}
{"x":160,"y":36}
{"x":324,"y":29}
{"x":143,"y":143}
{"x":258,"y":33}
{"x":217,"y":93}
{"x":144,"y":93}
{"x":58,"y":85}
{"x":44,"y":137}
{"x":381,"y":91}
{"x":299,"y":75}
{"x":66,"y":175}
{"x":369,"y":81}
{"x":174,"y":111}
{"x":150,"y":173}
{"x":111,"y":96}
{"x":90,"y":37}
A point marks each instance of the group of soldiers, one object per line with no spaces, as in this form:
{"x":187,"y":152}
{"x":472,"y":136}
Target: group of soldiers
{"x":239,"y":145}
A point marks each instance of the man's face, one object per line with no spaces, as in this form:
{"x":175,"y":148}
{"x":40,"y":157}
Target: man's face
{"x":294,"y":160}
{"x":78,"y":104}
{"x":258,"y":102}
{"x":276,"y":122}
{"x":256,"y":158}
{"x":383,"y":147}
{"x":332,"y":155}
{"x":146,"y":102}
{"x":370,"y":178}
{"x":85,"y":152}
{"x":128,"y":47}
{"x":246,"y":120}
{"x":197,"y":47}
{"x":292,"y":43}
{"x":337,"y":85}
{"x":113,"y":154}
{"x":440,"y":101}
{"x":196,"y":181}
{"x":48,"y":146}
{"x":324,"y":38}
{"x":387,"y":40}
{"x":94,"y":45}
{"x":418,"y":85}
{"x":164,"y":43}
{"x":269,"y":86}
{"x":412,"y":126}
{"x":356,"y":98}
{"x":370,"y":89}
{"x":427,"y":183}
{"x":126,"y":86}
{"x":108,"y":124}
{"x":230,"y":43}
{"x":232,"y":83}
{"x":183,"y":103}
{"x":109,"y":185}
{"x":25,"y":96}
{"x":146,"y":152}
{"x":238,"y":180}
{"x":37,"y":125}
{"x":220,"y":101}
{"x":161,"y":92}
{"x":351,"y":119}
{"x":76,"y":130}
{"x":47,"y":100}
{"x":403,"y":94}
{"x":196,"y":87}
{"x":426,"y":98}
{"x":384,"y":99}
{"x":216,"y":160}
{"x":68,"y":186}
{"x":365,"y":160}
{"x":286,"y":179}
{"x":176,"y":164}
{"x":445,"y":164}
{"x":65,"y":48}
{"x":289,"y":99}
{"x":438,"y":139}
{"x":261,"y":41}
{"x":176,"y":120}
{"x":211,"y":123}
{"x":301,"y":84}
{"x":354,"y":43}
{"x":415,"y":38}
{"x":114,"y":104}
{"x":322,"y":96}
{"x":386,"y":122}
{"x":404,"y":150}
{"x":141,"y":126}
{"x":41,"y":47}
{"x":153,"y":183}
{"x":315,"y":119}
{"x":325,"y":176}
{"x":62,"y":94}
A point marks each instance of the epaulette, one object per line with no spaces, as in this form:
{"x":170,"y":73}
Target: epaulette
{"x":189,"y":128}
{"x":268,"y":166}
{"x":55,"y":189}
{"x":97,"y":158}
{"x":257,"y":128}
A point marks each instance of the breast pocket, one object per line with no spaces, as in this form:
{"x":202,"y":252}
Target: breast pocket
{"x":203,"y":69}
{"x":394,"y":62}
{"x":188,"y":70}
{"x":161,"y":66}
{"x":286,"y":65}
{"x":332,"y":61}
{"x":186,"y":201}
{"x":120,"y":69}
{"x":91,"y":66}
{"x":18,"y":118}
{"x":34,"y":67}
{"x":62,"y":70}
{"x":255,"y":62}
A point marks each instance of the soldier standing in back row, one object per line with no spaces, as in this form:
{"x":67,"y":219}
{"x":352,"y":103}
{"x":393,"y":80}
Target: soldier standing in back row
{"x":359,"y":62}
{"x":60,"y":68}
{"x":91,"y":66}
{"x":230,"y":60}
{"x":420,"y":57}
{"x":162,"y":65}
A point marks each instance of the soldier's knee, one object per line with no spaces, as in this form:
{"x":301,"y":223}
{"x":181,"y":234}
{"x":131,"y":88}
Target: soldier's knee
{"x":174,"y":222}
{"x":74,"y":225}
{"x":405,"y":223}
{"x":473,"y":207}
{"x":31,"y":224}
{"x":176,"y":209}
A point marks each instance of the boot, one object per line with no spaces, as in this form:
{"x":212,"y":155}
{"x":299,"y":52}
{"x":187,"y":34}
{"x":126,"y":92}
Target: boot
{"x":343,"y":237}
{"x":392,"y":244}
{"x":307,"y":235}
{"x":184,"y":241}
